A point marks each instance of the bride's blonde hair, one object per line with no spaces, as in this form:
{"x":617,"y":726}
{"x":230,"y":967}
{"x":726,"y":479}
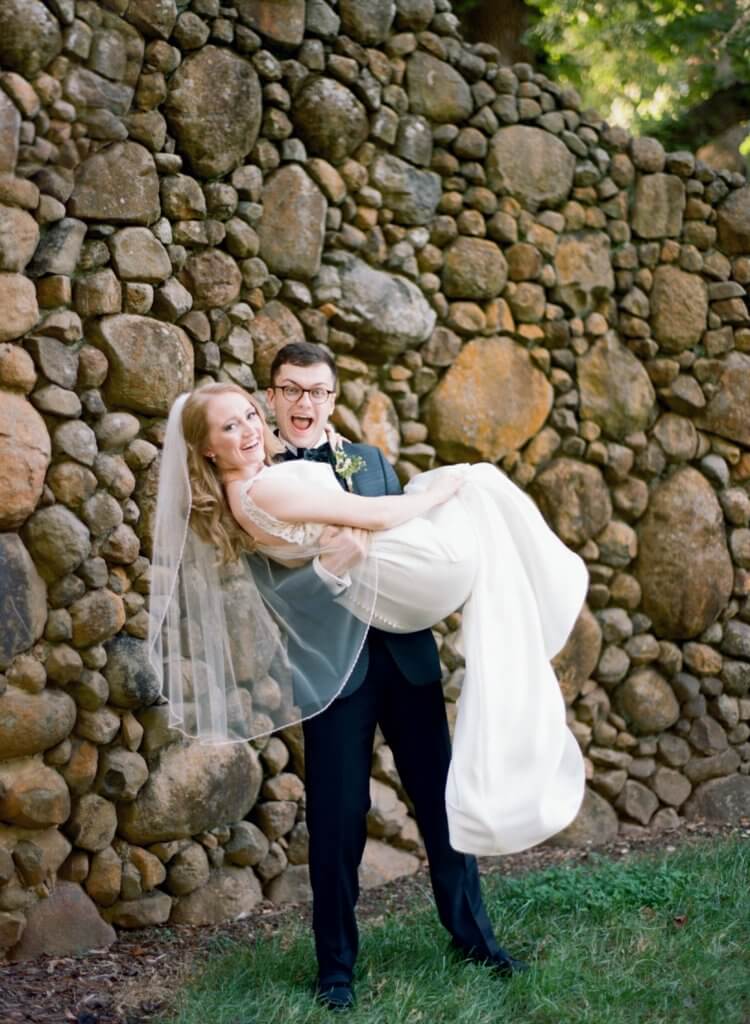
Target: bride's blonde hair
{"x":210,"y":516}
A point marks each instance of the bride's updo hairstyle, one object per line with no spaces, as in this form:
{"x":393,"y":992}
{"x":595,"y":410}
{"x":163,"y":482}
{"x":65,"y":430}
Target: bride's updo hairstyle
{"x":210,"y":516}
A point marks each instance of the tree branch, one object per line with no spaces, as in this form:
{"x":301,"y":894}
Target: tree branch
{"x":706,"y":120}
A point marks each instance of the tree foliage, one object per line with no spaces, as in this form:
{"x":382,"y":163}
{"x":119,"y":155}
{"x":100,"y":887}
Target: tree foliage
{"x":679,"y":69}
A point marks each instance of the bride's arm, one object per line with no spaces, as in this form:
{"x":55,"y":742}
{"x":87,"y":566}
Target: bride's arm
{"x":291,"y":501}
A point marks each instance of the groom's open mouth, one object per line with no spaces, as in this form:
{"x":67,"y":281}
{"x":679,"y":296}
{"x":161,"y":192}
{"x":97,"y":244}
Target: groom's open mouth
{"x":302,"y":423}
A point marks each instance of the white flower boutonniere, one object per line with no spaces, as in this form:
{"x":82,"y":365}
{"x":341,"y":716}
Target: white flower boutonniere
{"x":346,"y":466}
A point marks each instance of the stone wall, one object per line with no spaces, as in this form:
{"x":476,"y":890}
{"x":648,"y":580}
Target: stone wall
{"x":184,"y":187}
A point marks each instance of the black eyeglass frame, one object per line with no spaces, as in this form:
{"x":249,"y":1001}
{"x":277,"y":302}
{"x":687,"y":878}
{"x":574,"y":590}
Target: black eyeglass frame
{"x":283,"y":388}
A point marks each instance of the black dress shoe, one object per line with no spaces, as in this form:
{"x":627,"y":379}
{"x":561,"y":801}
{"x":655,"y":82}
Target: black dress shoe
{"x":337,"y":995}
{"x":501,"y":963}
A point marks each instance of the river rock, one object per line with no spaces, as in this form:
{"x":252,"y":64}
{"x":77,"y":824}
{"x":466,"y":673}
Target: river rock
{"x":25,"y":452}
{"x":574,"y":500}
{"x":380,"y":426}
{"x":59,"y":249}
{"x":10,"y":125}
{"x":387,"y":312}
{"x":683,"y":515}
{"x":474,"y":268}
{"x":595,"y":824}
{"x":679,"y":307}
{"x":150,"y":909}
{"x":192,"y":788}
{"x":105,"y":178}
{"x":19,"y":306}
{"x":584,"y":271}
{"x":412,"y":194}
{"x":283,"y":21}
{"x":121,"y":775}
{"x":31,"y":36}
{"x":616,"y":392}
{"x":230,"y":892}
{"x":93,"y":823}
{"x":188,"y":870}
{"x":57,"y":540}
{"x":67,"y":923}
{"x":216,"y":125}
{"x":436,"y":90}
{"x":383,"y":863}
{"x":292,"y":227}
{"x":34,"y":722}
{"x":329,"y":118}
{"x":531,"y":165}
{"x":150,"y":362}
{"x":490,"y":402}
{"x":647,"y":702}
{"x":139,"y":256}
{"x":274,"y":327}
{"x":132,"y":681}
{"x":291,"y":886}
{"x":212,"y":278}
{"x":23,"y":600}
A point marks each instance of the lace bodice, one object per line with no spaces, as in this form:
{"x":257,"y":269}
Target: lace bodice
{"x":300,"y":534}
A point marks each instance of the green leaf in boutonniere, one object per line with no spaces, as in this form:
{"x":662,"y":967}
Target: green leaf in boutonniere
{"x":346,"y":466}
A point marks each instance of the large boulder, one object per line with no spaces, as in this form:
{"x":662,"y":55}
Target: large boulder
{"x":722,"y":800}
{"x":584,"y":271}
{"x":30,"y":38}
{"x":67,"y":923}
{"x":491,"y":402}
{"x":387,"y":312}
{"x":33,"y":722}
{"x":683,"y":524}
{"x":728,"y":410}
{"x":329,"y":118}
{"x":658,"y":206}
{"x":19,"y":306}
{"x":292,"y":227}
{"x":574,"y":500}
{"x":23,"y":600}
{"x":150,"y":362}
{"x":679,"y":308}
{"x":25,"y":451}
{"x":733,"y":222}
{"x":594,"y":825}
{"x":229,"y":893}
{"x":530,"y":164}
{"x":192,"y":788}
{"x":107,"y":176}
{"x":616,"y":392}
{"x":213,"y":109}
{"x":437,"y":90}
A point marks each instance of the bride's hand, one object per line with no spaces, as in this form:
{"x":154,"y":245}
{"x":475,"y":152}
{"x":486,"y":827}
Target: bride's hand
{"x":448,"y":482}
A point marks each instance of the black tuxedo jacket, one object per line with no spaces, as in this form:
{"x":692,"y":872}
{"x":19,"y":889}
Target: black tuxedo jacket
{"x":415,"y":654}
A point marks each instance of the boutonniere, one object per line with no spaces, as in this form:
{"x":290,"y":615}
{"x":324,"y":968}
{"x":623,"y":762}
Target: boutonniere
{"x":345,"y":466}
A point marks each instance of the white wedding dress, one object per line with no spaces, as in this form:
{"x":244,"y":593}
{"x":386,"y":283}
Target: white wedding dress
{"x":517,"y":773}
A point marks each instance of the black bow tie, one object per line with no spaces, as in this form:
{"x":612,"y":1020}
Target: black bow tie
{"x":320,"y":454}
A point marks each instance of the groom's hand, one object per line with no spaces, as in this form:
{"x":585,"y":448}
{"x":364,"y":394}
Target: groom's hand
{"x":343,"y":547}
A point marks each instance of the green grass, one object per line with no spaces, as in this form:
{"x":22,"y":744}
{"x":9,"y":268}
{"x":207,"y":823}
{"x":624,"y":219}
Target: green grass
{"x":654,"y":940}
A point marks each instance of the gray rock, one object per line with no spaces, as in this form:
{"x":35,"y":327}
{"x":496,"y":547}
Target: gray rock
{"x":23,"y":599}
{"x":679,"y":307}
{"x":292,"y":227}
{"x":230,"y":892}
{"x":584,"y":271}
{"x":57,"y":540}
{"x":124,"y":168}
{"x":531,"y":165}
{"x":132,"y":682}
{"x":282,"y":21}
{"x":637,"y":801}
{"x":367,"y":21}
{"x":329,"y":118}
{"x":658,"y":206}
{"x":19,"y":234}
{"x":733,"y":222}
{"x":388,"y":313}
{"x":411,"y":194}
{"x":139,"y":256}
{"x":58,"y":362}
{"x":10,"y":125}
{"x":65,"y":924}
{"x":647,"y":702}
{"x":728,"y":409}
{"x":188,"y":870}
{"x":574,"y":500}
{"x":31,"y":36}
{"x":321,"y":20}
{"x":436,"y":90}
{"x":726,"y":801}
{"x":215,"y":127}
{"x":89,"y":90}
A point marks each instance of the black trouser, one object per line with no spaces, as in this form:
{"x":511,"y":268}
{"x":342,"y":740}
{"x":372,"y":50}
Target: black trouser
{"x":338,"y":756}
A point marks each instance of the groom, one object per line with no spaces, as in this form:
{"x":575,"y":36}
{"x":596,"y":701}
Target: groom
{"x":395,"y":684}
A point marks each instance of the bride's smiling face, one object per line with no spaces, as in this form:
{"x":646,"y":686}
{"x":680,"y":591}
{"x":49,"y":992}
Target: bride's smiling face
{"x":234,"y":434}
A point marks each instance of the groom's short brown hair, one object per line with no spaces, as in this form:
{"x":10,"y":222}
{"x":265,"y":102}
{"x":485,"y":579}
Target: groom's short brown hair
{"x":302,"y":353}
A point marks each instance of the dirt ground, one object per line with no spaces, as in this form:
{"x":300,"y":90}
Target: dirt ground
{"x":139,"y":977}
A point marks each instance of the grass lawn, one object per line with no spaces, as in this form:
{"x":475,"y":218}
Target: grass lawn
{"x":659,"y":938}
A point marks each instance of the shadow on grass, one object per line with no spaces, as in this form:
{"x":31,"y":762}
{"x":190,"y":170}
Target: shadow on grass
{"x":648,"y":941}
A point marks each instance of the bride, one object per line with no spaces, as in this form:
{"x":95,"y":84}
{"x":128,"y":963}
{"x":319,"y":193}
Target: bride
{"x":255,"y":639}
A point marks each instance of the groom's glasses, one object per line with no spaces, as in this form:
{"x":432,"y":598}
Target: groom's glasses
{"x":293,"y":393}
